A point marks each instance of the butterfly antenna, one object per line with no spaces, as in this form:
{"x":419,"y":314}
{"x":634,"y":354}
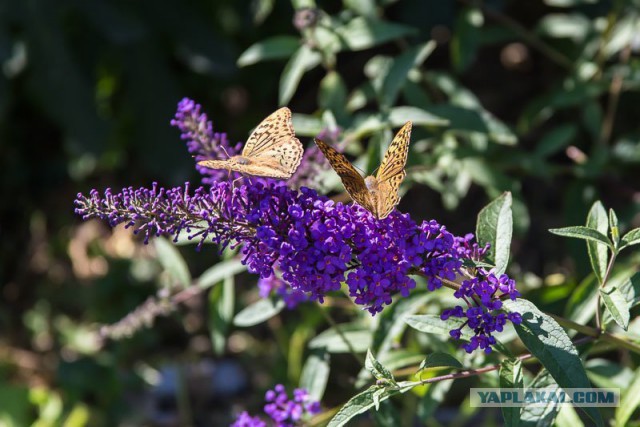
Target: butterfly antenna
{"x":225,"y":152}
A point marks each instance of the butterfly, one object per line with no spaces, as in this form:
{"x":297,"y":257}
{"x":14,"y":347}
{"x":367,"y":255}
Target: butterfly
{"x":272,"y":149}
{"x":377,"y":194}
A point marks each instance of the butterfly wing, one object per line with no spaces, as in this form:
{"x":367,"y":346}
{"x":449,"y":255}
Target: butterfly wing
{"x":391,"y":172}
{"x":274,"y":138}
{"x":257,"y":166}
{"x":351,"y":179}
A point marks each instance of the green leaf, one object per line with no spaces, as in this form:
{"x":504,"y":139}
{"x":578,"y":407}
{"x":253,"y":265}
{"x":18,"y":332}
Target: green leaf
{"x":555,"y":140}
{"x":220,"y":271}
{"x":315,"y":373}
{"x":303,"y":60}
{"x":356,"y":335}
{"x":364,"y":401}
{"x":511,"y":377}
{"x":495,"y":226}
{"x":333,"y":94}
{"x":581,"y":306}
{"x":466,"y":38}
{"x":551,"y":345}
{"x":536,"y":416}
{"x":568,"y":417}
{"x":631,"y":238}
{"x":580,"y":232}
{"x":362,"y":33}
{"x":617,"y":305}
{"x":432,"y":324}
{"x":278,"y":47}
{"x":392,"y":320}
{"x":307,"y":125}
{"x":172,"y":261}
{"x":398,"y":116}
{"x":433,"y":398}
{"x":377,"y":369}
{"x":439,"y":359}
{"x":629,"y":400}
{"x":598,"y":254}
{"x":258,"y":312}
{"x":221,"y":310}
{"x":397,"y":75}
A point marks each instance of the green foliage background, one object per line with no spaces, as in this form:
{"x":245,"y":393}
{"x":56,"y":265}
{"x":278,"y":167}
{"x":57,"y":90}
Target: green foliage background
{"x":538,"y":98}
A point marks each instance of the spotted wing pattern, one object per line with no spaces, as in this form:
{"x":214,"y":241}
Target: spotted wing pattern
{"x":272,"y":149}
{"x":351,"y":179}
{"x":274,"y":138}
{"x":391,"y":172}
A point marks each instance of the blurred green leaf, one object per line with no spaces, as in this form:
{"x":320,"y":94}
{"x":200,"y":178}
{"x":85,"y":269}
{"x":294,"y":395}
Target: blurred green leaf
{"x":258,"y":312}
{"x":556,"y":139}
{"x":303,"y":60}
{"x":306,"y":125}
{"x":261,"y":10}
{"x":333,"y":94}
{"x":357,"y":337}
{"x":511,"y":378}
{"x":574,"y":26}
{"x":398,"y":116}
{"x":315,"y":373}
{"x":362,"y":33}
{"x":219,"y":272}
{"x":15,"y":409}
{"x":466,"y":38}
{"x":433,"y":398}
{"x":495,"y":226}
{"x":598,"y":253}
{"x":172,"y":261}
{"x":582,"y":302}
{"x":367,"y":8}
{"x":629,"y":400}
{"x":277,"y":47}
{"x":397,"y":75}
{"x":548,"y":342}
{"x":221,"y":311}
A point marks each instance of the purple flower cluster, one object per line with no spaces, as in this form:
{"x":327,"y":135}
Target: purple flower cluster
{"x":311,"y":240}
{"x":202,"y":142}
{"x":303,"y":245}
{"x":483,"y":295}
{"x":283,"y":411}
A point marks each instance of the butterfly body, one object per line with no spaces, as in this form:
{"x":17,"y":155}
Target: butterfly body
{"x":272,"y":150}
{"x":378,"y":194}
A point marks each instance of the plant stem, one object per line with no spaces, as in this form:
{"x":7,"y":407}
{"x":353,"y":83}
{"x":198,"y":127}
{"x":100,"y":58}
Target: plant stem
{"x":335,"y":326}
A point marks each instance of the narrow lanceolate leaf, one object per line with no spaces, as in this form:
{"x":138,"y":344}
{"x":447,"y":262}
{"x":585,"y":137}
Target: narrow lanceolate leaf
{"x":343,"y":339}
{"x":438,"y":359}
{"x":315,"y":373}
{"x":598,"y":253}
{"x":219,"y":272}
{"x":580,"y":232}
{"x":495,"y":226}
{"x":432,"y":324}
{"x":631,"y":238}
{"x":302,"y":61}
{"x":362,"y":33}
{"x":258,"y":312}
{"x":278,"y":47}
{"x":511,"y":377}
{"x":377,"y":369}
{"x":172,"y":261}
{"x":221,"y":310}
{"x":617,"y":305}
{"x":364,"y":401}
{"x":551,"y":345}
{"x":629,"y":400}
